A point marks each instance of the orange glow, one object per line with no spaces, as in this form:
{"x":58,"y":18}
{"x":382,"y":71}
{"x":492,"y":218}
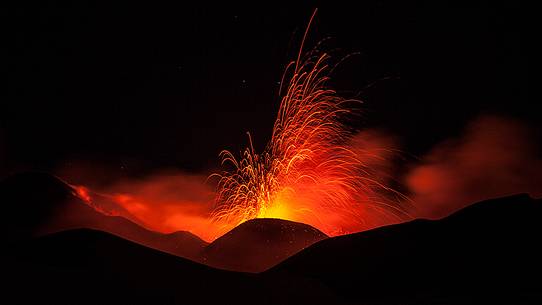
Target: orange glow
{"x":83,"y":193}
{"x":167,"y":203}
{"x":311,"y":171}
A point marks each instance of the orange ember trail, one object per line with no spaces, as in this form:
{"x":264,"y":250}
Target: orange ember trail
{"x":308,"y":172}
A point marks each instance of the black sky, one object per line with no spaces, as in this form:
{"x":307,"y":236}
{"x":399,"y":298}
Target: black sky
{"x":142,"y":87}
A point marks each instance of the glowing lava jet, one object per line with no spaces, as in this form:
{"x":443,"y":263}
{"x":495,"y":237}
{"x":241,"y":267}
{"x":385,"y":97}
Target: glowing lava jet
{"x":309,"y":172}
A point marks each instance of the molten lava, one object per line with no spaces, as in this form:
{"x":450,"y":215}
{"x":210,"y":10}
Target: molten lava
{"x":309,"y":172}
{"x":82,"y":192}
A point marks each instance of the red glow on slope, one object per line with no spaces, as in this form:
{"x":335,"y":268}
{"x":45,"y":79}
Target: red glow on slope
{"x":163,"y":202}
{"x":82,"y":192}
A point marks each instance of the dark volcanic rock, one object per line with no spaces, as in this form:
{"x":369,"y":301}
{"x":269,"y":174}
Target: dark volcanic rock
{"x":259,"y":244}
{"x":93,"y":267}
{"x":29,"y":200}
{"x":487,"y":253}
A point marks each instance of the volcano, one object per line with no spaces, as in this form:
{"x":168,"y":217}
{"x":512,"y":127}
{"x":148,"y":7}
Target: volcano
{"x":259,"y":244}
{"x":487,"y":253}
{"x":51,"y":206}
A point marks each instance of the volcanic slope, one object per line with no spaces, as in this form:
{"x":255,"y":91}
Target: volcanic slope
{"x":39,"y":203}
{"x":487,"y":253}
{"x":84,"y":266}
{"x":259,"y":244}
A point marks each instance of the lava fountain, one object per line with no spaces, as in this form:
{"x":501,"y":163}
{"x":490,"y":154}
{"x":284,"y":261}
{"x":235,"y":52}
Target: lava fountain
{"x":309,"y":172}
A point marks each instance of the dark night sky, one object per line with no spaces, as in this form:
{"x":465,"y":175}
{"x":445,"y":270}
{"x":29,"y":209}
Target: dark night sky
{"x":143,"y":87}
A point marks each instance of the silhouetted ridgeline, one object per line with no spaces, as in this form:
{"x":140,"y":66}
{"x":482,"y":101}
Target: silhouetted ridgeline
{"x":487,"y":253}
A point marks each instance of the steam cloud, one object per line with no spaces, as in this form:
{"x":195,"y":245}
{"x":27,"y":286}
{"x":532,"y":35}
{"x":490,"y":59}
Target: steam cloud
{"x":494,"y":157}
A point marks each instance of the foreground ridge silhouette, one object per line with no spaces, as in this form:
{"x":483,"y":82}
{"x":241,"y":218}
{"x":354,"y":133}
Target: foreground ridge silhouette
{"x":487,"y":253}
